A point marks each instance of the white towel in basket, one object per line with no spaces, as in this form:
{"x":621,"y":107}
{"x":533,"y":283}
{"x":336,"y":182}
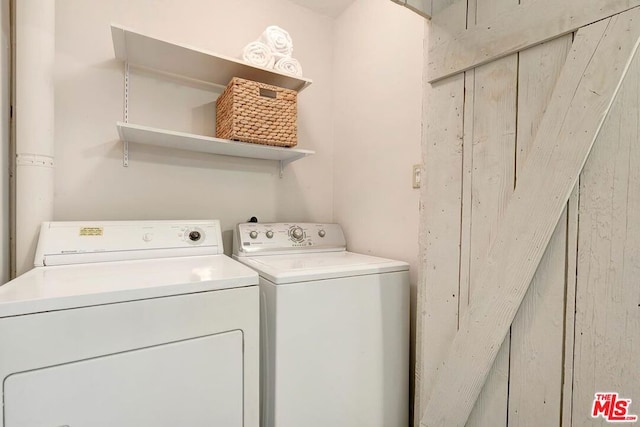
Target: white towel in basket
{"x":259,"y":54}
{"x":278,"y":41}
{"x":289,"y":66}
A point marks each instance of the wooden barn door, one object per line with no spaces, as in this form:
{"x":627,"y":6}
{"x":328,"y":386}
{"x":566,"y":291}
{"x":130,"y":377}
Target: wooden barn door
{"x":528,"y":305}
{"x":607,"y":344}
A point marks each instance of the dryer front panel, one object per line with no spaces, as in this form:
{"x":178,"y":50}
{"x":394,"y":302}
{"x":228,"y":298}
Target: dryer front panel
{"x":196,"y":382}
{"x":189,"y":360}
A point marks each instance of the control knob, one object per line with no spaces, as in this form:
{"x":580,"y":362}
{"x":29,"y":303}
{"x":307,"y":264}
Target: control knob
{"x":253,"y":234}
{"x":297,"y":233}
{"x":322,"y":233}
{"x":269,"y":234}
{"x":194,"y":236}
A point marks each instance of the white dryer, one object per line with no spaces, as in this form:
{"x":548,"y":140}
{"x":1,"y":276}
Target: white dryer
{"x":130,"y":324}
{"x":335,"y":328}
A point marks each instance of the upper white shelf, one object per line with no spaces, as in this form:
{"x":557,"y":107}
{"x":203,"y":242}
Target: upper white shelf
{"x":205,"y":144}
{"x":180,"y":60}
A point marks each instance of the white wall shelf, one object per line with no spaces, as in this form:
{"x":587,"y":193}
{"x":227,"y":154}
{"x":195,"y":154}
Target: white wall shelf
{"x":180,"y":60}
{"x":205,"y":144}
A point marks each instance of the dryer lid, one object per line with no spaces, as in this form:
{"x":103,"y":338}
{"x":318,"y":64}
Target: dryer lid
{"x":283,"y":269}
{"x":81,"y":285}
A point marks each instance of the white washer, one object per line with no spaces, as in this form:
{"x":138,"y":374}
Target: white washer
{"x":335,"y":328}
{"x":130,"y":324}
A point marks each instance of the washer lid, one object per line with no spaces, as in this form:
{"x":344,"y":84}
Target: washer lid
{"x":282,"y":269}
{"x":81,"y":285}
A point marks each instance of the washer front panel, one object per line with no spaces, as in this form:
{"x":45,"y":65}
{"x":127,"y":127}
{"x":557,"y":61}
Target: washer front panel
{"x":323,"y":340}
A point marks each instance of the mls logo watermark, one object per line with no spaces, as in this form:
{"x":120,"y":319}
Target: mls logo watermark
{"x":612,"y":408}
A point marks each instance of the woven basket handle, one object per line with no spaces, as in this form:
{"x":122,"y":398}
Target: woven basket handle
{"x":268,"y":93}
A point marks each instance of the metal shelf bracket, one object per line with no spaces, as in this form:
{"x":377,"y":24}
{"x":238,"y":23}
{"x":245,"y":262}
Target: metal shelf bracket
{"x":283,"y":164}
{"x":125,"y":153}
{"x":125,"y":144}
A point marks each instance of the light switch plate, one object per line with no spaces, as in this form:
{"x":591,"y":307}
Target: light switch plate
{"x":417,"y":176}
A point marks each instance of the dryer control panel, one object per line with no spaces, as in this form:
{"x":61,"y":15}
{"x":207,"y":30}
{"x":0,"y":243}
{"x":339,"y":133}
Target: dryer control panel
{"x":255,"y":238}
{"x":79,"y":242}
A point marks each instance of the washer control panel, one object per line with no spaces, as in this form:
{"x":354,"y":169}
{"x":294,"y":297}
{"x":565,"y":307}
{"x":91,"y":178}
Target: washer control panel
{"x":254,"y":238}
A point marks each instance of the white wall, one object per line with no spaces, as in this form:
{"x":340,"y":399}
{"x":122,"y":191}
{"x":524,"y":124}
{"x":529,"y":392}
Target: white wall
{"x":377,"y":127}
{"x":362,"y":115}
{"x":5,"y":102}
{"x":91,"y":182}
{"x":378,"y":62}
{"x":34,"y":112}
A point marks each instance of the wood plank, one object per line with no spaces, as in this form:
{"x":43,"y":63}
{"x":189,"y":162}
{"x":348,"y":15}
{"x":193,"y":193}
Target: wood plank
{"x":467,"y":180}
{"x":418,"y":383}
{"x":492,"y":402}
{"x":438,"y":6}
{"x":539,"y":70}
{"x":439,"y":285}
{"x":608,"y":294}
{"x":493,"y":154}
{"x":570,"y":307}
{"x":467,"y":171}
{"x":487,"y":10}
{"x":421,"y":7}
{"x":587,"y":86}
{"x":452,"y":16}
{"x":537,"y":340}
{"x":537,"y":332}
{"x":472,"y":13}
{"x":453,"y":51}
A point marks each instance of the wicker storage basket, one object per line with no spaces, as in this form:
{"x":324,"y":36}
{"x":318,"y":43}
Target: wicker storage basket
{"x":256,"y":112}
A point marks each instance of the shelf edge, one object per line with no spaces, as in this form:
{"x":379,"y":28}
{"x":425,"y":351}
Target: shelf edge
{"x":119,"y":36}
{"x":292,"y":154}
